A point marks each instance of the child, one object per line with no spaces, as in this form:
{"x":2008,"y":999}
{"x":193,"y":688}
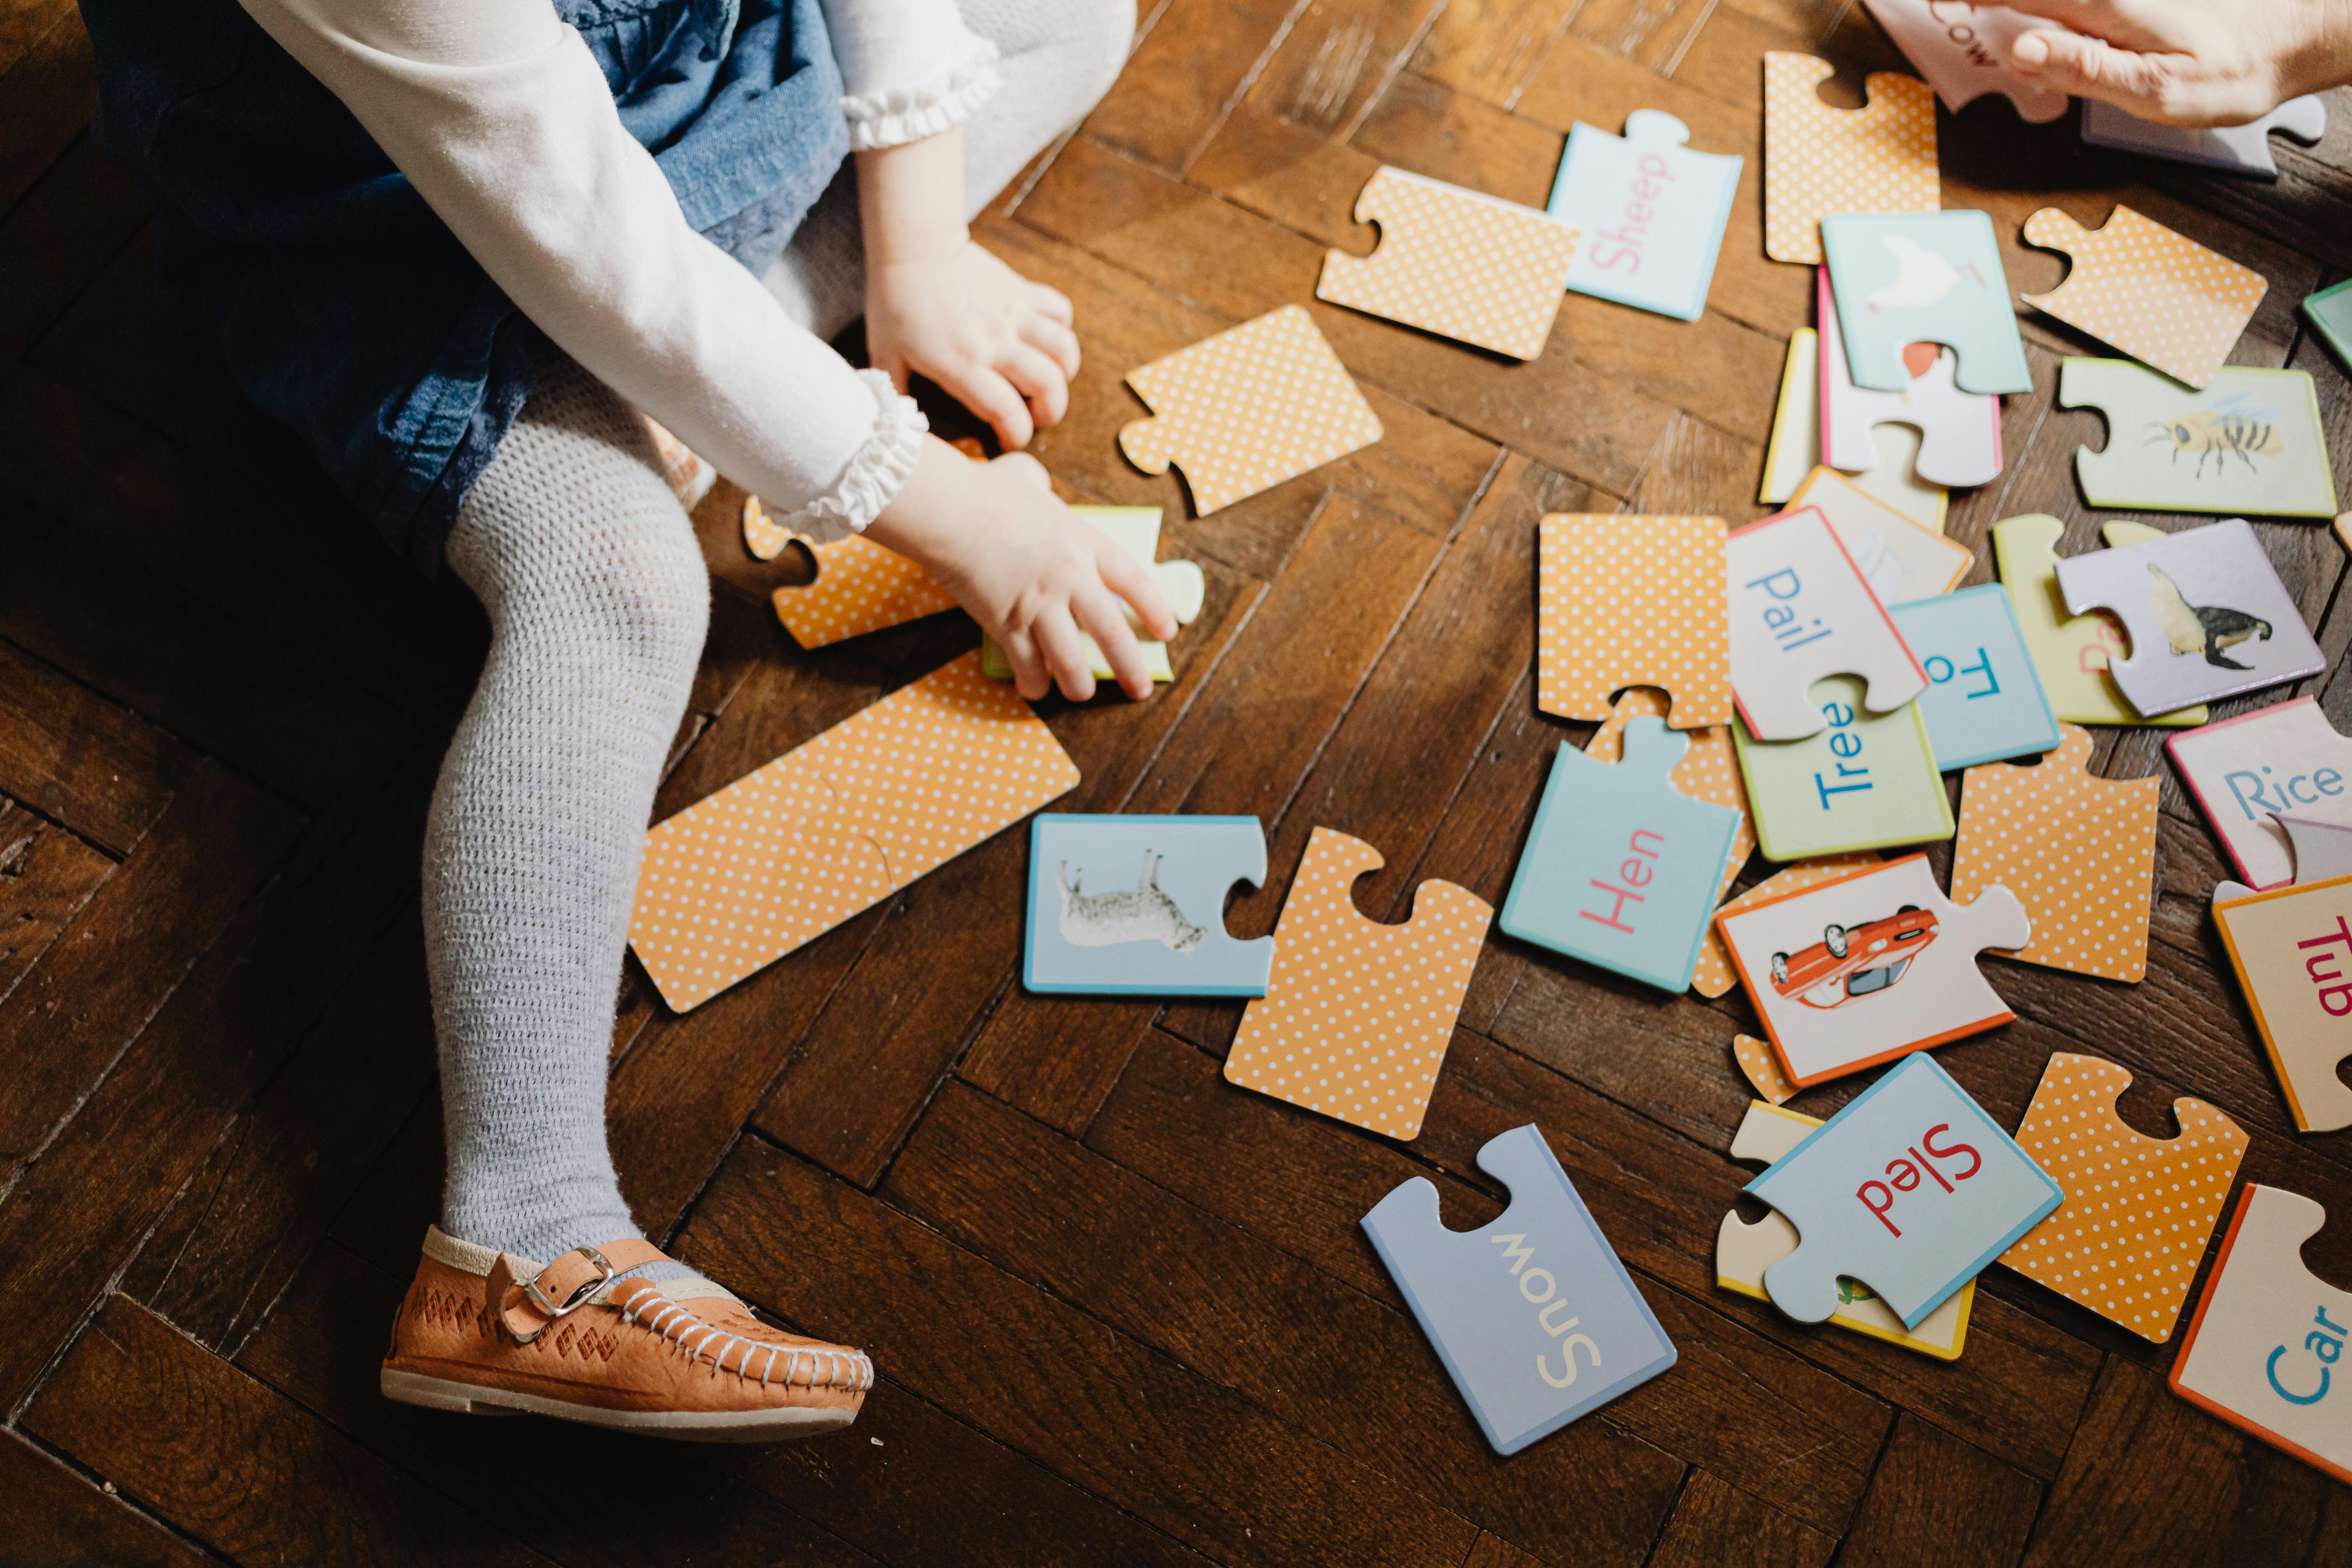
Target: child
{"x":458,"y":245}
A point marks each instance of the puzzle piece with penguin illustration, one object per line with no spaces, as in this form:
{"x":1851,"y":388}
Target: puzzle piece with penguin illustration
{"x":2071,"y":653}
{"x":2240,"y":149}
{"x":2158,"y":296}
{"x":1538,"y":1284}
{"x":1818,"y":160}
{"x":1963,"y":51}
{"x":1984,"y":703}
{"x":1650,"y":209}
{"x":1868,"y":781}
{"x":1457,"y":262}
{"x":1714,"y":975}
{"x":2252,"y":442}
{"x":2292,"y":950}
{"x":1899,"y":278}
{"x":1135,"y":906}
{"x":1900,"y":560}
{"x":1800,"y":610}
{"x":2249,"y":773}
{"x":1708,"y":770}
{"x":1136,"y":530}
{"x":1793,"y":450}
{"x":1623,"y":599}
{"x":1960,"y":431}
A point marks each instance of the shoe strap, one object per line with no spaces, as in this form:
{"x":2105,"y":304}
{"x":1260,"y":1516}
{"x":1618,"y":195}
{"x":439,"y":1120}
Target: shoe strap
{"x":528,"y":1307}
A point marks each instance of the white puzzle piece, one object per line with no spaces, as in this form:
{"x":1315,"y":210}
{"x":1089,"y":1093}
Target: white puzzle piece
{"x":2292,"y":950}
{"x":1963,"y":51}
{"x":2323,"y":850}
{"x":2245,"y":773}
{"x":1900,"y":560}
{"x":1651,"y":210}
{"x":1795,"y":448}
{"x":2240,"y":149}
{"x":1960,"y":431}
{"x":1801,"y":610}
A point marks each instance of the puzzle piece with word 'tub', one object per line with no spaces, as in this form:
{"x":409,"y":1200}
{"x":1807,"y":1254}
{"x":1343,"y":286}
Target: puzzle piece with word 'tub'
{"x":2252,"y":442}
{"x":1867,"y":781}
{"x":1800,"y":609}
{"x":1136,"y":530}
{"x":1744,"y":1253}
{"x":2158,"y":296}
{"x":1135,"y":906}
{"x":1651,"y":212}
{"x":2247,"y":774}
{"x":1909,"y":278}
{"x":1357,"y":1016}
{"x":1890,"y":470}
{"x":2138,"y":1210}
{"x":1538,"y":1285}
{"x":1710,"y":771}
{"x":2292,"y":949}
{"x":1243,"y":411}
{"x":1880,"y":158}
{"x":1457,"y":262}
{"x":2268,"y":1337}
{"x":1963,"y":51}
{"x":1911,"y":1189}
{"x":2239,"y":149}
{"x":1900,"y":560}
{"x":1959,"y":432}
{"x":1984,"y":703}
{"x":2071,"y":653}
{"x":1623,"y":599}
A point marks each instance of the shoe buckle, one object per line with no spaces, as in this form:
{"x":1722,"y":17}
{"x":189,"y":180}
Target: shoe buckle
{"x":581,"y":1295}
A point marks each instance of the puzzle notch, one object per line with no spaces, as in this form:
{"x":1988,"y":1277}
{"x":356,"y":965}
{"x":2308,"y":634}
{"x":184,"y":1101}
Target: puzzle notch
{"x":1799,"y":610}
{"x":1457,"y":262}
{"x":2248,"y":773}
{"x":1820,"y":159}
{"x":1903,"y":279}
{"x":2240,"y":149}
{"x":1651,"y":211}
{"x":2158,"y":296}
{"x":1960,"y":431}
{"x":1793,"y":450}
{"x":1963,"y":52}
{"x":1710,"y":771}
{"x":2252,"y":442}
{"x":2071,"y":654}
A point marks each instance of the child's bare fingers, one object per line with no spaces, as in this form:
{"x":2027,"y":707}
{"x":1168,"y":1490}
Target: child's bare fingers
{"x":1039,"y":380}
{"x":1055,"y":340}
{"x":987,"y":394}
{"x":1065,"y":656}
{"x":1099,"y":613}
{"x":1053,"y":302}
{"x":1135,"y":582}
{"x":1030,"y":676}
{"x":1028,"y":470}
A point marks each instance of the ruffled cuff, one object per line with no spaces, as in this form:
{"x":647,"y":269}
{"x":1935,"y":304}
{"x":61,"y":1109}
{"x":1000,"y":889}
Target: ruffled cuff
{"x":901,"y":114}
{"x":879,"y":470}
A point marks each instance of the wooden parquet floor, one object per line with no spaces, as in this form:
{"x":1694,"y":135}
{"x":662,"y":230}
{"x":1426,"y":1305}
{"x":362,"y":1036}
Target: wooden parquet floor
{"x":1122,"y":1311}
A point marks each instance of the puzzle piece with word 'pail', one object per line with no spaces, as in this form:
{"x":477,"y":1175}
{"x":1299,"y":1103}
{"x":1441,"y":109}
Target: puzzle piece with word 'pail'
{"x":1867,"y":781}
{"x":1457,"y":262}
{"x":1960,"y":431}
{"x":1135,"y":906}
{"x":2292,"y":949}
{"x":1800,"y":609}
{"x":1136,"y":530}
{"x":2158,"y":296}
{"x":1714,"y":975}
{"x":1963,"y":51}
{"x":1708,"y":770}
{"x":1537,"y":1285}
{"x":1651,"y":212}
{"x":1880,"y":158}
{"x":1793,"y":450}
{"x":2240,"y":149}
{"x":2071,"y":653}
{"x":1900,"y":279}
{"x":1625,"y":600}
{"x":1899,"y":558}
{"x":1984,"y":703}
{"x":2248,"y":772}
{"x":2252,"y":442}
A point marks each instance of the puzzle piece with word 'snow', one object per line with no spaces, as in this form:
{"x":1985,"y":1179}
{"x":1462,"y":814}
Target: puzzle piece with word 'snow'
{"x":2248,"y":772}
{"x":2240,"y":149}
{"x":1963,"y":51}
{"x":1868,"y":781}
{"x":1135,"y":906}
{"x":1799,"y":610}
{"x":1793,"y":450}
{"x":1535,"y":1318}
{"x":2158,"y":296}
{"x":1960,"y":431}
{"x":1900,"y":560}
{"x":2071,"y":653}
{"x":2292,"y":949}
{"x":1984,"y":703}
{"x":1900,"y":279}
{"x":1708,"y":770}
{"x":1880,"y":158}
{"x":1629,"y":600}
{"x":1457,"y":262}
{"x":2250,"y":443}
{"x":1651,"y":212}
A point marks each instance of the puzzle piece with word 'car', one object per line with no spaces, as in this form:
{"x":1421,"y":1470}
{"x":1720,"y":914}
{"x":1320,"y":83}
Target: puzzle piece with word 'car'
{"x":1799,"y":610}
{"x":1714,"y":975}
{"x":1984,"y":703}
{"x":1960,"y":431}
{"x":2071,"y":653}
{"x":1135,"y":906}
{"x":1880,"y":158}
{"x":2252,"y":442}
{"x":2158,"y":296}
{"x":2246,"y":773}
{"x":2292,"y":948}
{"x":1457,"y":262}
{"x":1899,"y":278}
{"x":1625,"y":600}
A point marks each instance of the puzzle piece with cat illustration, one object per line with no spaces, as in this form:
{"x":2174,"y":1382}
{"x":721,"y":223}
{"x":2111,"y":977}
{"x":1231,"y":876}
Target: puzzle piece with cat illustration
{"x":1960,"y":431}
{"x":1890,"y":473}
{"x":1622,"y":600}
{"x":1136,"y":530}
{"x":2158,"y":296}
{"x":1457,"y":262}
{"x":1900,"y":560}
{"x":2247,"y":774}
{"x":1984,"y":703}
{"x":2238,"y":149}
{"x":1650,"y":209}
{"x":2071,"y":653}
{"x":1799,"y":610}
{"x":1880,"y":158}
{"x":1899,"y":278}
{"x":1135,"y":906}
{"x":2292,"y":950}
{"x":1714,"y":975}
{"x":1963,"y":51}
{"x":2252,"y":442}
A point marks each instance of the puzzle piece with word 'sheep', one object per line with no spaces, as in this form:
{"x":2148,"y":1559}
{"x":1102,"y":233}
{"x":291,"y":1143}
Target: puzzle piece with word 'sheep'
{"x":2246,"y":773}
{"x":1629,"y":600}
{"x":1960,"y":431}
{"x":1708,"y":770}
{"x":2158,"y":296}
{"x":1136,"y":530}
{"x":2252,"y":442}
{"x":1357,"y":1016}
{"x":1984,"y":703}
{"x":1909,"y":278}
{"x":1714,"y":975}
{"x":1502,"y":1303}
{"x":2240,"y":149}
{"x":1963,"y":51}
{"x":1457,"y":262}
{"x":1867,"y":781}
{"x":1880,"y":158}
{"x":1244,"y":410}
{"x":1799,"y":610}
{"x":2071,"y":653}
{"x":1891,"y":470}
{"x":1900,"y":560}
{"x":1135,"y":906}
{"x":2292,"y":949}
{"x":1651,"y":212}
{"x":2138,"y":1210}
{"x":1862,"y":968}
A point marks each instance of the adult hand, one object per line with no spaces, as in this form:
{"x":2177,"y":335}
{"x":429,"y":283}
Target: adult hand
{"x":2187,"y":62}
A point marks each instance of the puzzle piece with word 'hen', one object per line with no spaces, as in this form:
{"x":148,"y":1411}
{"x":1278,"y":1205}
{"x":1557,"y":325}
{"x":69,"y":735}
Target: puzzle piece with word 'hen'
{"x":1459,"y":263}
{"x":1714,"y":975}
{"x":1960,"y":431}
{"x":1628,"y":600}
{"x":1891,"y":470}
{"x":2252,"y":442}
{"x":1899,"y":278}
{"x":1880,"y":158}
{"x":2158,"y":296}
{"x":2292,"y":949}
{"x":2249,"y":772}
{"x":1963,"y":51}
{"x":2071,"y":653}
{"x":1708,"y":770}
{"x":1501,"y":1302}
{"x":1799,"y":610}
{"x":1984,"y":703}
{"x":1135,"y":906}
{"x":2240,"y":149}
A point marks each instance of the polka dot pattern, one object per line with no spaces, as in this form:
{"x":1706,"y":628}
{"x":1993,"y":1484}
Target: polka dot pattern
{"x":2158,"y":296}
{"x":763,"y":537}
{"x":2138,"y":1211}
{"x":1714,"y":975}
{"x":1880,"y":158}
{"x":1710,"y":771}
{"x":1243,"y":411}
{"x":1625,"y":600}
{"x":1455,"y":262}
{"x":1762,"y":1068}
{"x":781,"y":856}
{"x":2079,"y":853}
{"x":860,"y":587}
{"x":689,"y":477}
{"x":1357,"y":1016}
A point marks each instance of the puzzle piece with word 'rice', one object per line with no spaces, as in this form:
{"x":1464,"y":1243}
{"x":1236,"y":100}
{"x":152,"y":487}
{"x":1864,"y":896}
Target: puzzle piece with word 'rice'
{"x":1900,"y":560}
{"x":1880,"y":158}
{"x":1799,"y":610}
{"x":1959,"y":432}
{"x":1651,"y":210}
{"x":2292,"y":949}
{"x":1963,"y":51}
{"x":1243,"y":411}
{"x":2138,"y":1210}
{"x":1793,"y":450}
{"x":1135,"y":906}
{"x":1714,"y":975}
{"x":1357,"y":1016}
{"x":1537,"y":1285}
{"x":1708,"y":770}
{"x":2322,"y":850}
{"x":1744,"y":1253}
{"x":2071,"y":653}
{"x":1868,"y":781}
{"x":2251,"y":442}
{"x":2158,"y":296}
{"x":2268,"y":1337}
{"x":1876,"y":1197}
{"x":1457,"y":262}
{"x":1136,"y":530}
{"x":2240,"y":149}
{"x":1899,"y":278}
{"x":2249,"y":772}
{"x":1984,"y":703}
{"x":1629,"y":600}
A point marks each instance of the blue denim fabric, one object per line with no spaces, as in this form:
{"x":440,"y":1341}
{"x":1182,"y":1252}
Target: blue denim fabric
{"x":346,"y":308}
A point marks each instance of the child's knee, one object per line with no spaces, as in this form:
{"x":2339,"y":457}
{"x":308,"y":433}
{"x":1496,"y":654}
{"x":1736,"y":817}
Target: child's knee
{"x":1108,"y":28}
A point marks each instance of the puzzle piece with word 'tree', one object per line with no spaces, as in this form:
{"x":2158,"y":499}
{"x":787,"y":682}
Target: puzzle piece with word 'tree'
{"x":2265,"y":1346}
{"x":1708,"y":770}
{"x":787,"y":853}
{"x":2292,"y":949}
{"x":1744,"y":1253}
{"x":1651,"y":212}
{"x":1243,"y":411}
{"x":1909,"y":278}
{"x":1868,"y":781}
{"x":1793,"y":450}
{"x":1900,"y":560}
{"x":1714,"y":975}
{"x":1880,"y":158}
{"x":1875,"y":1197}
{"x":1963,"y":51}
{"x":1136,"y":530}
{"x":1622,"y":869}
{"x":2251,"y":442}
{"x":1960,"y":431}
{"x":1799,"y":610}
{"x":2138,"y":1210}
{"x":2240,"y":149}
{"x":1357,"y":1014}
{"x":2246,"y":773}
{"x":2071,"y":653}
{"x":1135,"y":906}
{"x":2158,"y":296}
{"x":1537,"y":1283}
{"x":1457,"y":262}
{"x":1864,"y":968}
{"x":1629,"y":600}
{"x":1984,"y":703}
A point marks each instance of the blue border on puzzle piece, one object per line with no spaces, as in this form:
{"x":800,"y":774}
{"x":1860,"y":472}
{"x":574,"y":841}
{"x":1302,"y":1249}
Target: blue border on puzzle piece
{"x":1245,"y":967}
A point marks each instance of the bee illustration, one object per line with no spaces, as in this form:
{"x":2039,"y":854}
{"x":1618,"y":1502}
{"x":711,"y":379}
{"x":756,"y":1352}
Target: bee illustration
{"x":2218,"y":433}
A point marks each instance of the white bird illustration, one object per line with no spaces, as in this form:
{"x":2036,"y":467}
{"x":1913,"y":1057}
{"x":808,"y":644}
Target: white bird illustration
{"x":1927,"y":277}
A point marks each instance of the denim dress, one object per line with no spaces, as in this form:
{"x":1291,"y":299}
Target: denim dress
{"x":346,"y":308}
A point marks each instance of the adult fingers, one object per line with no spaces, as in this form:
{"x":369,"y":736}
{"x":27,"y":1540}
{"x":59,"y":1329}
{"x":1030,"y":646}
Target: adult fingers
{"x":1030,"y":676}
{"x":1099,"y":613}
{"x":1039,"y":380}
{"x":1065,"y":656}
{"x":1135,"y":582}
{"x":989,"y":396}
{"x":2151,"y":86}
{"x":1055,"y":340}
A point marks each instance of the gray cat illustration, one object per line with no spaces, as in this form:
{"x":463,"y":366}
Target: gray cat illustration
{"x":1142,"y":913}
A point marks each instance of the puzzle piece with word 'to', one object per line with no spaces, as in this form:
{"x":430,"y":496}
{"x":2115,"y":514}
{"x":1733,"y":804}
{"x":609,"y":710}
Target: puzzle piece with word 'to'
{"x":1984,"y":703}
{"x":1900,"y":560}
{"x":1714,"y":975}
{"x":1651,"y":210}
{"x":2268,"y":1337}
{"x":1756,"y":1063}
{"x":2251,"y":442}
{"x":2138,"y":1210}
{"x":1708,"y":770}
{"x":1880,"y":158}
{"x":2158,"y":296}
{"x":1136,"y":530}
{"x":1963,"y":51}
{"x":1862,"y":968}
{"x":1744,"y":1253}
{"x":1909,"y":278}
{"x":2292,"y":949}
{"x":1457,"y":262}
{"x":1357,"y":1016}
{"x":2240,"y":149}
{"x":2071,"y":653}
{"x":1246,"y":409}
{"x":1629,"y":600}
{"x":1867,"y":781}
{"x":1799,"y":610}
{"x":1793,"y":450}
{"x":1622,"y":869}
{"x":2246,"y":773}
{"x":1535,"y":1318}
{"x":1960,"y":431}
{"x":1135,"y":906}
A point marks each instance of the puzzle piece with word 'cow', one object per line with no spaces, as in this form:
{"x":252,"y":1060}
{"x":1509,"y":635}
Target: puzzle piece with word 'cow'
{"x":1246,"y":409}
{"x":1651,"y":210}
{"x":1793,"y":450}
{"x":2071,"y":653}
{"x":2251,"y":442}
{"x":1861,"y":969}
{"x":1715,"y":977}
{"x":1708,"y":770}
{"x":2247,"y":772}
{"x":1960,"y":431}
{"x":1357,"y":1014}
{"x":1911,"y":1189}
{"x":2240,"y":149}
{"x":2158,"y":296}
{"x":1880,"y":158}
{"x":1622,"y":869}
{"x":1868,"y":781}
{"x":1963,"y":51}
{"x":1136,"y":530}
{"x":1457,"y":262}
{"x":1135,"y":906}
{"x":2267,"y":1341}
{"x":1629,"y":600}
{"x":1537,"y":1285}
{"x":1900,"y":560}
{"x":1984,"y":703}
{"x":1799,"y":610}
{"x":1744,"y":1253}
{"x":1899,"y":278}
{"x":2292,"y":949}
{"x":2138,"y":1210}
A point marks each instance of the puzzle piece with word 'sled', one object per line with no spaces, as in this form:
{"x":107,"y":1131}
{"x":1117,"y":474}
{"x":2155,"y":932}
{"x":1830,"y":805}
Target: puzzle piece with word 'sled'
{"x":1651,"y":212}
{"x":1628,"y":600}
{"x":1714,"y":975}
{"x":1899,"y":278}
{"x":2138,"y":1210}
{"x":1963,"y":51}
{"x":1984,"y":703}
{"x":1357,"y":1016}
{"x":1708,"y":770}
{"x":1744,"y":1253}
{"x":2240,"y":149}
{"x":1867,"y":781}
{"x":1538,"y":1285}
{"x":1457,"y":262}
{"x":1880,"y":158}
{"x":1136,"y":530}
{"x":2292,"y":949}
{"x":1135,"y":906}
{"x":1900,"y":560}
{"x":1793,"y":450}
{"x":1799,"y":610}
{"x":1960,"y":431}
{"x":2252,"y":442}
{"x":2071,"y":653}
{"x":2246,"y":773}
{"x":2158,"y":296}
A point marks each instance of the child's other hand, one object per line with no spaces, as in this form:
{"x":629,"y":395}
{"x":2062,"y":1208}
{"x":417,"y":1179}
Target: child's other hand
{"x":998,"y":343}
{"x":2187,"y":62}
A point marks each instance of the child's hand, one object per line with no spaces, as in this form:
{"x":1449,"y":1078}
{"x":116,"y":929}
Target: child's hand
{"x":2187,"y":62}
{"x":998,"y":343}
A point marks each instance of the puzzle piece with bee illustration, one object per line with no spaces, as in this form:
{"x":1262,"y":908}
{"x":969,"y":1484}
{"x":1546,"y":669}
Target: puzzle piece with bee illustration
{"x":2249,"y":444}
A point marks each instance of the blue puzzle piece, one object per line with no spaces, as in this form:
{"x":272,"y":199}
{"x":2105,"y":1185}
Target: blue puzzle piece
{"x":1622,"y":869}
{"x":1534,"y":1317}
{"x":1911,"y":1189}
{"x":1135,"y":906}
{"x":1984,"y":703}
{"x":1924,"y":278}
{"x":1651,"y":210}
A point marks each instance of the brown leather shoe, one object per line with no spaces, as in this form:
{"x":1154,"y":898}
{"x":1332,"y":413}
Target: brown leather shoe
{"x":485,"y":1334}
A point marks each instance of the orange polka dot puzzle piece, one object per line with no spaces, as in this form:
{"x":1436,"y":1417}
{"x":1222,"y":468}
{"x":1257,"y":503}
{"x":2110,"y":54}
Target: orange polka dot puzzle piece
{"x":2158,"y":296}
{"x":1628,"y":600}
{"x":1880,"y":158}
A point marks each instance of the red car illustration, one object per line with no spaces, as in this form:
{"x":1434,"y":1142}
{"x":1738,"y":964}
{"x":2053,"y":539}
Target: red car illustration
{"x":1854,"y":961}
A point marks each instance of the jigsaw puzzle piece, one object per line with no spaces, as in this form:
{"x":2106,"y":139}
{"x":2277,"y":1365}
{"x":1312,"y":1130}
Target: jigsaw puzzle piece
{"x":1502,"y":1304}
{"x":1984,"y":703}
{"x":1627,"y":600}
{"x":2251,"y":442}
{"x":1652,"y":212}
{"x":2330,"y":313}
{"x":2323,"y":850}
{"x":1793,"y":450}
{"x":1762,"y":1069}
{"x":2248,"y":773}
{"x":1963,"y":51}
{"x":1708,"y":770}
{"x":2158,"y":296}
{"x":1457,"y":262}
{"x":2071,"y":653}
{"x":1136,"y":530}
{"x":1868,"y":781}
{"x":1960,"y":431}
{"x":1820,"y":159}
{"x":2292,"y":949}
{"x":1800,"y":610}
{"x":1715,"y":977}
{"x":1135,"y":906}
{"x":1900,"y":560}
{"x":1933,"y":278}
{"x":2240,"y":149}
